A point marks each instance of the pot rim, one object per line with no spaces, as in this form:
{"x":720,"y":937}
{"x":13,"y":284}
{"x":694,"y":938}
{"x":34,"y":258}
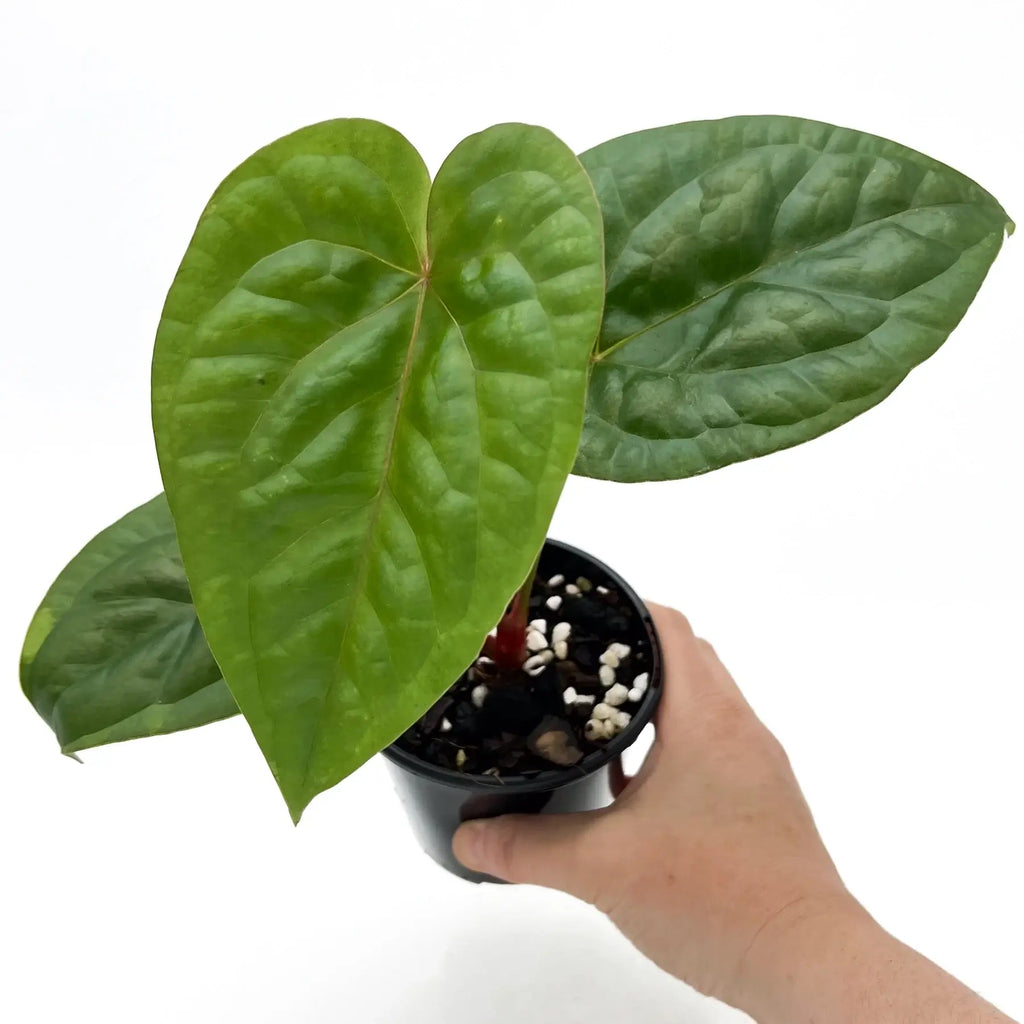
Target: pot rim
{"x":555,"y":778}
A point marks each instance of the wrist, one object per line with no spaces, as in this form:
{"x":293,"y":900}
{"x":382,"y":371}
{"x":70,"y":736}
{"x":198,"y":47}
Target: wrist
{"x":828,"y":960}
{"x":795,"y":949}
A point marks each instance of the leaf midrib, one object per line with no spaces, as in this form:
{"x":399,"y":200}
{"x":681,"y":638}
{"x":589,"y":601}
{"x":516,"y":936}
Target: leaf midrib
{"x":378,"y":503}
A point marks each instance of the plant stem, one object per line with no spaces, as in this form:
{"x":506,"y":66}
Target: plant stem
{"x":508,"y":646}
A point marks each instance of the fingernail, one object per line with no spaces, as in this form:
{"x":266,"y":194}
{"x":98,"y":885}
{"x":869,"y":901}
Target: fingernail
{"x":468,"y":844}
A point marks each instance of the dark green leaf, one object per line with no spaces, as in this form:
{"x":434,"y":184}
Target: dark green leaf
{"x":115,"y":650}
{"x":367,"y":394}
{"x":768,"y":279}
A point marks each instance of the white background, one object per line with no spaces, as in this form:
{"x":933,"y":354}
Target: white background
{"x":865,"y":588}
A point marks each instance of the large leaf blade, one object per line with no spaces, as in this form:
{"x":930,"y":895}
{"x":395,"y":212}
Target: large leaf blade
{"x":363,"y":436}
{"x":769,"y":278}
{"x":115,"y":651}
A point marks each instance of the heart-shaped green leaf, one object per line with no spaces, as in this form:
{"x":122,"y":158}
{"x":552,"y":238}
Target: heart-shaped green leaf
{"x":115,"y":650}
{"x":768,"y":279}
{"x":367,"y":394}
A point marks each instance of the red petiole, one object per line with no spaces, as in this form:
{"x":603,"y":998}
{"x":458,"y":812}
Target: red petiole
{"x":507,"y":648}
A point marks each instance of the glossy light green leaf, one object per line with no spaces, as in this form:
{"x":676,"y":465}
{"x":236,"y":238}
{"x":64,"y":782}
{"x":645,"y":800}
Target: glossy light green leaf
{"x":768,"y":279}
{"x":367,"y":394}
{"x":115,"y":650}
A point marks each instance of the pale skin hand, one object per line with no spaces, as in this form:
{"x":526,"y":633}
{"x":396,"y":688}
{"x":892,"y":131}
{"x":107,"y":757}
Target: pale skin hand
{"x":710,"y":863}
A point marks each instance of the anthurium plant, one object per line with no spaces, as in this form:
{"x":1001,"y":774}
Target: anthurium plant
{"x":369,"y":388}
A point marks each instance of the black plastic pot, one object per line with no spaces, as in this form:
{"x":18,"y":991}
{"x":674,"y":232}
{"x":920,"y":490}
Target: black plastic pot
{"x":437,"y":800}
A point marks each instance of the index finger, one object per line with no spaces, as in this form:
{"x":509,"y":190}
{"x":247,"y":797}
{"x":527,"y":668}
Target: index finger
{"x":693,"y":675}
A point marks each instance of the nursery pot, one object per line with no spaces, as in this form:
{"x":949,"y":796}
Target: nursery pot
{"x":438,"y":799}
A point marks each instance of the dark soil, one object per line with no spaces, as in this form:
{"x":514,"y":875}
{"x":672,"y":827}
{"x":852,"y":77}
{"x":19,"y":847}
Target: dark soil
{"x":524,"y":724}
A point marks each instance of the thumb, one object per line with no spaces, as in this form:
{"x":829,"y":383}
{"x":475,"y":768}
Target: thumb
{"x":541,"y":849}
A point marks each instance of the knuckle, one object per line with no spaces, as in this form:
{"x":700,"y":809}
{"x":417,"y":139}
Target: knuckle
{"x":778,"y":751}
{"x":609,"y":862}
{"x":502,"y":852}
{"x":674,"y":622}
{"x":680,"y":621}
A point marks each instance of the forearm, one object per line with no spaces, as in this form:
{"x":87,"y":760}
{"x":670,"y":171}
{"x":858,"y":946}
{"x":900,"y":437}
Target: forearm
{"x":838,"y":965}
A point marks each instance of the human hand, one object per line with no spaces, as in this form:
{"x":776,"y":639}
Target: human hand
{"x":710,"y":862}
{"x":709,"y":845}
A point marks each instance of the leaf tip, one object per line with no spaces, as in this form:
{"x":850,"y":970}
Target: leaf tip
{"x":69,"y":751}
{"x":297,"y":803}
